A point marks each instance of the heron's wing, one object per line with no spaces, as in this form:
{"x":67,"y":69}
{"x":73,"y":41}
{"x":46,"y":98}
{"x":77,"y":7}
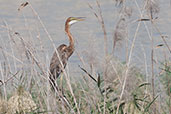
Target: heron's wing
{"x":55,"y":64}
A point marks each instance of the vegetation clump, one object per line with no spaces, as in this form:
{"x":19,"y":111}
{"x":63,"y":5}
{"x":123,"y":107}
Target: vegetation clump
{"x":20,"y":102}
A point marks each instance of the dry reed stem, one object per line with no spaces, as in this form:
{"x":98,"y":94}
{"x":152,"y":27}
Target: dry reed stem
{"x":119,"y":2}
{"x":88,"y":97}
{"x":103,"y":27}
{"x":152,"y":56}
{"x":10,"y":37}
{"x":128,"y":63}
{"x":146,"y":70}
{"x":84,"y":65}
{"x":151,"y":38}
{"x":116,"y":72}
{"x":7,"y":53}
{"x":119,"y":32}
{"x":101,"y":21}
{"x":163,"y":38}
{"x":5,"y":69}
{"x":3,"y":80}
{"x":152,"y":73}
{"x":6,"y":58}
{"x":50,"y":38}
{"x":152,"y":8}
{"x":29,"y":53}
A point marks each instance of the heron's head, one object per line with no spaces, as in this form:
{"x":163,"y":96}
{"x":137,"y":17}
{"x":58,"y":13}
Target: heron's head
{"x":72,"y":20}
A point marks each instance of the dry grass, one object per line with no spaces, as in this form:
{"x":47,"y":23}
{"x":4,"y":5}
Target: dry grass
{"x":117,"y":88}
{"x":20,"y":102}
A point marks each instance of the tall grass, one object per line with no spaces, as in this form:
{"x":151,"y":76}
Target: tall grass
{"x":119,"y":88}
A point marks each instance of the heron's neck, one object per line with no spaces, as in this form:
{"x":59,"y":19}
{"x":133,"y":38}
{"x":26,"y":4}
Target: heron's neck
{"x":71,"y":40}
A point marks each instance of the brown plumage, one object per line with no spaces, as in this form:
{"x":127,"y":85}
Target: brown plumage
{"x":64,"y":52}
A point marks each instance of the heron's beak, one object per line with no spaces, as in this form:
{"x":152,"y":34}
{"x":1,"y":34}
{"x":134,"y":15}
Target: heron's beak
{"x":80,"y":18}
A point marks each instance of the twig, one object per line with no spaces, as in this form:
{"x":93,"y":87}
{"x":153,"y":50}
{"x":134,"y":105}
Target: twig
{"x":128,"y":64}
{"x":101,"y":21}
{"x":163,"y":38}
{"x":30,"y":53}
{"x":103,"y":27}
{"x":88,"y":74}
{"x":14,"y":75}
{"x":23,"y":5}
{"x":50,"y":38}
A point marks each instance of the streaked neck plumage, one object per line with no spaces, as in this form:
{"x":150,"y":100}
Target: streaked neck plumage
{"x":70,"y":48}
{"x":71,"y":40}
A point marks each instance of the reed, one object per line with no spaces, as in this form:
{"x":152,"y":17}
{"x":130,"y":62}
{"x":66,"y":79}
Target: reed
{"x":104,"y":85}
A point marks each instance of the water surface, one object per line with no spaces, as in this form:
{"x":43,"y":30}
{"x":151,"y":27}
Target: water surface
{"x":89,"y":38}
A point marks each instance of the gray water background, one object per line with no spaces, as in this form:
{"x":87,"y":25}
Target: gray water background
{"x":89,"y":39}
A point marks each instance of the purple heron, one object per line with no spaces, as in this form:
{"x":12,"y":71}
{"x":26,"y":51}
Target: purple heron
{"x":64,"y":52}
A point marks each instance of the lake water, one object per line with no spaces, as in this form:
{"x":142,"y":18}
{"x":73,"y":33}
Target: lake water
{"x":89,"y":38}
